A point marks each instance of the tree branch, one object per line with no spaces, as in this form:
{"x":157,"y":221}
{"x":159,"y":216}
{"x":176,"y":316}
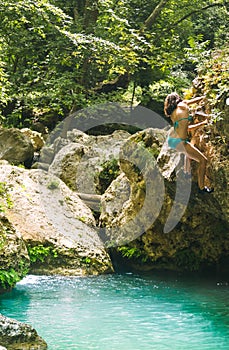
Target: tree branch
{"x":156,"y":12}
{"x":192,"y":13}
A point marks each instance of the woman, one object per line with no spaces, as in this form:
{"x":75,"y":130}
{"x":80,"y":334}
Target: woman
{"x":178,"y":110}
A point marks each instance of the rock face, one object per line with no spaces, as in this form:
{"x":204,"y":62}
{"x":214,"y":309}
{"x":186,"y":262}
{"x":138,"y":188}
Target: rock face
{"x":15,"y":147}
{"x":35,"y":137}
{"x":15,"y":335}
{"x":113,"y":200}
{"x":79,"y":159}
{"x":57,"y":227}
{"x":150,"y":210}
{"x":135,"y":214}
{"x":200,"y":237}
{"x":14,"y":259}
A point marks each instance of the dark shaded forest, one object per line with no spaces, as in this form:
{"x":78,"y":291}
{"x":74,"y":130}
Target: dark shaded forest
{"x":59,"y":56}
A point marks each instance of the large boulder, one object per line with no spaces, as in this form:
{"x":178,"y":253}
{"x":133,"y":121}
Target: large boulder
{"x":35,"y":137}
{"x":14,"y":259}
{"x":15,"y":147}
{"x":19,"y":336}
{"x":134,"y":213}
{"x":160,"y":218}
{"x":58,"y":228}
{"x":79,"y":159}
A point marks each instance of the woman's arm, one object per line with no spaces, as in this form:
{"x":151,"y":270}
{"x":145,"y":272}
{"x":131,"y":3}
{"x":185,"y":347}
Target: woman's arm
{"x":194,"y":100}
{"x":201,"y":114}
{"x":198,"y":125}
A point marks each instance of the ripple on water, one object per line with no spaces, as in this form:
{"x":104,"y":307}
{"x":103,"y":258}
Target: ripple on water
{"x":122,"y":312}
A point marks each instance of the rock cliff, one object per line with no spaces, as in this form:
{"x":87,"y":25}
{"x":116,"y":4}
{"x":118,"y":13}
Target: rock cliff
{"x":150,"y":212}
{"x":197,"y":233}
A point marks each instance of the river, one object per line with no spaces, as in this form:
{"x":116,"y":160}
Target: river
{"x":123,"y":311}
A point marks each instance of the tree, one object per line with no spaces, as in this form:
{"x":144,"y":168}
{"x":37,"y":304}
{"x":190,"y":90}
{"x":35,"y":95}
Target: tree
{"x":59,"y":56}
{"x":28,"y":50}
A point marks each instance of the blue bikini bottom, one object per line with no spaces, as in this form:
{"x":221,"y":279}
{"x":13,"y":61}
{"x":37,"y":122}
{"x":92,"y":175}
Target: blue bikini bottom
{"x":174,"y":141}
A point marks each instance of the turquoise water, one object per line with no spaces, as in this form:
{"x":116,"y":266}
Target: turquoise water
{"x":123,"y":312}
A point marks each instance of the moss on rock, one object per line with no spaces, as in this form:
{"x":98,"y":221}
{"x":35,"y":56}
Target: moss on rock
{"x":14,"y":259}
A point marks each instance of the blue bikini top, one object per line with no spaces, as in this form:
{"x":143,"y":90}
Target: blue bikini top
{"x":176,"y":123}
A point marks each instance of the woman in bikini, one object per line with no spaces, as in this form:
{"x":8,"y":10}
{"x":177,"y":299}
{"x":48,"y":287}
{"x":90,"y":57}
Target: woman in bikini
{"x":178,"y":110}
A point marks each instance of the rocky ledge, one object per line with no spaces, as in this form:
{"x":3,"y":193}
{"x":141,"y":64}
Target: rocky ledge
{"x":15,"y":335}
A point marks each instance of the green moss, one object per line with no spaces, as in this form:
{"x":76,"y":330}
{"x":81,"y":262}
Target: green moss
{"x":154,"y":151}
{"x":2,"y":189}
{"x":187,"y":260}
{"x":53,"y":185}
{"x":6,"y":201}
{"x":2,"y":240}
{"x":82,"y":218}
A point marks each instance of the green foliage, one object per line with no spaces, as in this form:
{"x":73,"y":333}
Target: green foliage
{"x":133,"y":252}
{"x":214,"y":74}
{"x":2,"y":189}
{"x":8,"y":278}
{"x":41,"y":253}
{"x":212,"y":24}
{"x":28,"y":52}
{"x":55,"y":54}
{"x":177,"y":81}
{"x":110,"y":171}
{"x":197,"y":49}
{"x":86,"y":260}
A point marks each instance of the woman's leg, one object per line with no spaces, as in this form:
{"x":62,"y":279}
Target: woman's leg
{"x":187,"y":164}
{"x":193,"y":153}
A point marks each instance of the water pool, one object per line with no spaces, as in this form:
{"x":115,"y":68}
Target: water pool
{"x":123,"y":312}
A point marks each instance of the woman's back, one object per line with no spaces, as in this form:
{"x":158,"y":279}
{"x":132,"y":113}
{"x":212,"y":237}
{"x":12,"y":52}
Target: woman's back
{"x":180,"y":119}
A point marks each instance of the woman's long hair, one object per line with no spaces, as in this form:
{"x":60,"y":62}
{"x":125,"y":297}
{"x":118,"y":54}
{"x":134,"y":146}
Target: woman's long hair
{"x":171,"y":103}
